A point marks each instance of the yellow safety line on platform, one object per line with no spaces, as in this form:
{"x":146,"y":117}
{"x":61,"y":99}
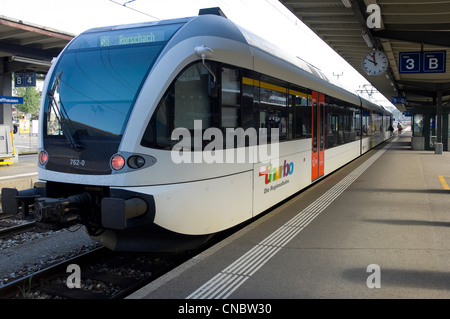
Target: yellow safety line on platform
{"x":443,"y":182}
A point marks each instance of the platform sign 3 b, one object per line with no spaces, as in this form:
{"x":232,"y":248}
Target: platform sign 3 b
{"x":422,"y":62}
{"x":25,"y":79}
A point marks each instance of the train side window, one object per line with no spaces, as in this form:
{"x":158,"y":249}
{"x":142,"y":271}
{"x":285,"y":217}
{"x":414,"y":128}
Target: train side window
{"x":299,"y":100}
{"x":273,"y":107}
{"x":335,"y":122}
{"x":342,"y":122}
{"x":191,"y":98}
{"x":250,"y":98}
{"x":357,"y":121}
{"x":231,"y":98}
{"x":185,"y":101}
{"x":378,"y":122}
{"x":366,"y":122}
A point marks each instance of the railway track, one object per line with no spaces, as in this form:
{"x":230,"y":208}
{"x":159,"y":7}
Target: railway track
{"x":9,"y":231}
{"x":11,"y":225}
{"x":103,"y":274}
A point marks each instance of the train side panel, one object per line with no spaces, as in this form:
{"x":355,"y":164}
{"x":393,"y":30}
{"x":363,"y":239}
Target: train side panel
{"x":276,"y":180}
{"x":202,"y":207}
{"x":337,"y":157}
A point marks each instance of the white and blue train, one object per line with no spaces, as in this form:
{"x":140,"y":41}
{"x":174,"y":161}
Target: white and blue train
{"x":113,"y":98}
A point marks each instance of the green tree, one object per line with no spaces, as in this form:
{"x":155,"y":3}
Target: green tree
{"x":31,"y":100}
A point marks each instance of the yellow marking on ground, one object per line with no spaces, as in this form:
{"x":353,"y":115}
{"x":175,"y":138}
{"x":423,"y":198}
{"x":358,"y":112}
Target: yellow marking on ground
{"x":443,"y":182}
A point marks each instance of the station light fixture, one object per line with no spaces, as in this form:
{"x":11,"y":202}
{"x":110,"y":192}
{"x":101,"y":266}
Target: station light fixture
{"x":16,"y":58}
{"x":367,"y":39}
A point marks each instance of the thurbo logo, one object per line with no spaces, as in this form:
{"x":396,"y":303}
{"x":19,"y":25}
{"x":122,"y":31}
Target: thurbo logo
{"x":273,"y":173}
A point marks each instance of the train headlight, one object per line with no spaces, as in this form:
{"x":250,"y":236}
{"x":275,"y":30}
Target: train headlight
{"x":43,"y":157}
{"x":136,"y":161}
{"x":117,"y":162}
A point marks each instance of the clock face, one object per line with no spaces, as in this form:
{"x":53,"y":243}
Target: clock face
{"x":375,"y":62}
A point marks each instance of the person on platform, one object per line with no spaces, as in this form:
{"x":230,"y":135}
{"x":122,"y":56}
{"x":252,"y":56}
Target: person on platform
{"x":391,"y":130}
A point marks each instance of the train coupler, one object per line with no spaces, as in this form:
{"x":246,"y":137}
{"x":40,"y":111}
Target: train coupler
{"x":61,"y":212}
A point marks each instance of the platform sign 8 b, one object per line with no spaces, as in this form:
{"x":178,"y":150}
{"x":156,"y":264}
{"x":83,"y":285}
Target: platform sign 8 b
{"x":25,"y":79}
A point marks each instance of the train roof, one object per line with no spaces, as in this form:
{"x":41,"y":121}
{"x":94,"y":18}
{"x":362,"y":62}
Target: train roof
{"x":268,"y":58}
{"x":139,"y":25}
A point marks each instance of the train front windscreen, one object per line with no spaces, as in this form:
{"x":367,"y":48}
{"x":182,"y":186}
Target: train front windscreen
{"x":93,"y":88}
{"x":96,"y":80}
{"x":92,"y":91}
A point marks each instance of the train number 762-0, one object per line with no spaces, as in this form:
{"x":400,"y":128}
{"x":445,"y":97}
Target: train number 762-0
{"x":77,"y":162}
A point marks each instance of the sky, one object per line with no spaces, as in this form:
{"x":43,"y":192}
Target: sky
{"x":266,"y":18}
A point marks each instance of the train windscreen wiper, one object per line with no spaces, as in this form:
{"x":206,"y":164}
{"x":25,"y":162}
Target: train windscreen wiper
{"x":63,"y":120}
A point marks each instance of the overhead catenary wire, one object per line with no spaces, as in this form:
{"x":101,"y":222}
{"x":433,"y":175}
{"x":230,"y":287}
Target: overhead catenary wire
{"x":125,"y":5}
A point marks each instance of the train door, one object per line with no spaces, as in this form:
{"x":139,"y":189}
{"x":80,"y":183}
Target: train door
{"x":318,"y":135}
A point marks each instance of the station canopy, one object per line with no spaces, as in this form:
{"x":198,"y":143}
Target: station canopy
{"x":410,"y":32}
{"x":26,"y":47}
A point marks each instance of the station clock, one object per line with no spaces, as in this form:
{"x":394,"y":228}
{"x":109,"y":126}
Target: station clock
{"x":375,"y":62}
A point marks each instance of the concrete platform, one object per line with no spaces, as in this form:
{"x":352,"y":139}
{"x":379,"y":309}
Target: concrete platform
{"x":21,"y":174}
{"x":378,"y":228}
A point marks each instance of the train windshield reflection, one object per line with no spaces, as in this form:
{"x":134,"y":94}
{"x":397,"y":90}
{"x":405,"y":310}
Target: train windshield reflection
{"x":102,"y":74}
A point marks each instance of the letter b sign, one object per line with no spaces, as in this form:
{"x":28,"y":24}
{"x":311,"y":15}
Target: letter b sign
{"x":434,"y":61}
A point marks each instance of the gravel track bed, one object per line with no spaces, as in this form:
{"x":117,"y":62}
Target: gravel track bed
{"x":31,"y":251}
